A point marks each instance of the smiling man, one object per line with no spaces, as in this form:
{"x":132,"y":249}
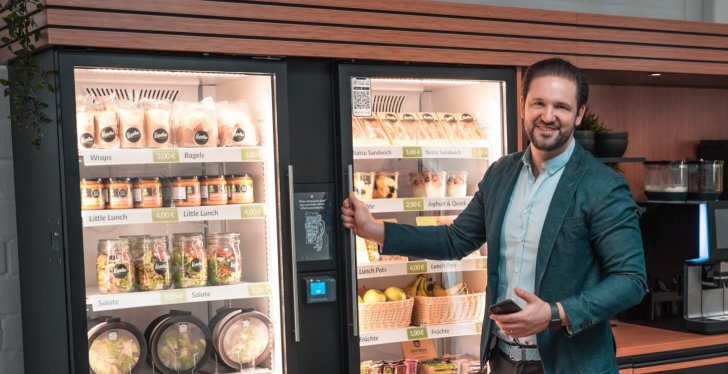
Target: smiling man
{"x":562,"y":233}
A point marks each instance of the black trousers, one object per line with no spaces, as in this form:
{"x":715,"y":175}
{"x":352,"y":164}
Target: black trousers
{"x":500,"y":363}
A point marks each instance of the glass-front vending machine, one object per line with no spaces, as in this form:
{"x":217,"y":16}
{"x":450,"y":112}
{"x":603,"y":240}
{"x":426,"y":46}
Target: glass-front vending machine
{"x":415,"y":143}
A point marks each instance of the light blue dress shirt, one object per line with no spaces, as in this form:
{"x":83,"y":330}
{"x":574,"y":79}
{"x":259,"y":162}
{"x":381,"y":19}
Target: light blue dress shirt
{"x":521,"y":233}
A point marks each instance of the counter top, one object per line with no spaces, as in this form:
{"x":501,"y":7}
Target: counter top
{"x":633,"y":340}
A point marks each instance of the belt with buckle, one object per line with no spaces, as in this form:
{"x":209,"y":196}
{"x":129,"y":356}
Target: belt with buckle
{"x":518,"y":353}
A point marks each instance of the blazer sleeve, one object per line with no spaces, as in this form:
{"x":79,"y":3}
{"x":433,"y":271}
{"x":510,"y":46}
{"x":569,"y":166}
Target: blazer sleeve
{"x":465,"y":235}
{"x":615,"y":237}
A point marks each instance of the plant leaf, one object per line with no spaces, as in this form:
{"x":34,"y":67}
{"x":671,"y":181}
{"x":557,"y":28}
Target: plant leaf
{"x":13,"y":118}
{"x":4,"y":82}
{"x":51,"y":88}
{"x":41,"y":6}
{"x":40,"y":85}
{"x":51,"y":72}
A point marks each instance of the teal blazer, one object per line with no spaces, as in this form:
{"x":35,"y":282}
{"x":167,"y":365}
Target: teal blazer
{"x":589,"y":257}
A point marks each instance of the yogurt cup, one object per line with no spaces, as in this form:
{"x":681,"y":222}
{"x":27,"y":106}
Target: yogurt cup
{"x":386,"y":185}
{"x":363,"y":184}
{"x":417,"y":182}
{"x":434,"y":184}
{"x":457,"y":184}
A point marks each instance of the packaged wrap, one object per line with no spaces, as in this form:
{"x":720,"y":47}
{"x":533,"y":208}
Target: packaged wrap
{"x":131,"y":124}
{"x":106,"y":124}
{"x":437,"y":133}
{"x":157,"y":123}
{"x":195,"y":124}
{"x":234,"y":125}
{"x":454,"y":130}
{"x":396,"y":133}
{"x":85,"y":122}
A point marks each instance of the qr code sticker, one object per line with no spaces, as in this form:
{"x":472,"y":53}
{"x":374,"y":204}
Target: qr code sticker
{"x":362,"y":100}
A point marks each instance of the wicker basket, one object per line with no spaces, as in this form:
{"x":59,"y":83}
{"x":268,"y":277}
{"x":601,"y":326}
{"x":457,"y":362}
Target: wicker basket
{"x":387,"y":315}
{"x":448,"y":309}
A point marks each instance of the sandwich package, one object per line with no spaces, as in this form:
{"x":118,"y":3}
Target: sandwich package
{"x":131,"y":124}
{"x":157,"y":123}
{"x":357,"y":133}
{"x":195,"y":124}
{"x":85,"y":122}
{"x":234,"y":125}
{"x":472,"y":128}
{"x":106,"y":123}
{"x":435,"y":130}
{"x":414,"y":128}
{"x":393,"y":128}
{"x":454,"y":130}
{"x":373,"y":131}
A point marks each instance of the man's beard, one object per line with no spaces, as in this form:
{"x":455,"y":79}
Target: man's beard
{"x":548,"y":145}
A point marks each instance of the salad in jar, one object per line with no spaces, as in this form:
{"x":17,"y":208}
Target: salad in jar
{"x":152,"y":264}
{"x":223,"y":258}
{"x":114,"y":267}
{"x":189,"y":260}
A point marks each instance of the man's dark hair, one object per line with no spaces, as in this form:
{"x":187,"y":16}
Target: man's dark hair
{"x":557,"y":67}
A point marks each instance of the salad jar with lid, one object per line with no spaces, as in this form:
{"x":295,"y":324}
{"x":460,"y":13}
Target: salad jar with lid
{"x":152,"y":263}
{"x":241,"y":337}
{"x":189,"y":260}
{"x":240,"y":188}
{"x":114,"y":268}
{"x":223,"y":258}
{"x":115,"y":347}
{"x":178,"y":342}
{"x":666,"y":180}
{"x":92,"y":194}
{"x":705,"y":180}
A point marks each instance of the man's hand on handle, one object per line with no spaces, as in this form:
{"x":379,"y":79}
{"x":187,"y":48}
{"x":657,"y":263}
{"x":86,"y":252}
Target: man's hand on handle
{"x":533,"y":319}
{"x":356,"y":216}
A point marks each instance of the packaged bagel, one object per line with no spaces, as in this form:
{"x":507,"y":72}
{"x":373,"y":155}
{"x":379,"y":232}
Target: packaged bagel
{"x":85,"y":122}
{"x":106,"y":123}
{"x":195,"y":124}
{"x":234,"y":125}
{"x":131,"y":124}
{"x":157,"y":123}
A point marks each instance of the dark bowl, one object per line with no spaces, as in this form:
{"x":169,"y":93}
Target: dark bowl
{"x":613,"y":135}
{"x":611,"y":147}
{"x":587,"y":144}
{"x":586,"y":134}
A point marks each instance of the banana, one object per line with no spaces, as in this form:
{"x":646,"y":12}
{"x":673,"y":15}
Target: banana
{"x":422,"y":291}
{"x":412,"y":291}
{"x":454,"y":290}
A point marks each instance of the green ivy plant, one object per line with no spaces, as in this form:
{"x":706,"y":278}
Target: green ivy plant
{"x":23,"y":32}
{"x":591,"y":122}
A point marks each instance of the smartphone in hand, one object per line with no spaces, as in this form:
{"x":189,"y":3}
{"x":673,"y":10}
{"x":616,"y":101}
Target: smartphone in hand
{"x":507,"y":306}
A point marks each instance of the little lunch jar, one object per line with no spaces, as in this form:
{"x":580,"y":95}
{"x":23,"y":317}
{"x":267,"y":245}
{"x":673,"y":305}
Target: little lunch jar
{"x":92,"y":194}
{"x":186,"y":191}
{"x":147,"y":192}
{"x":118,"y":194}
{"x":213,"y":190}
{"x":114,"y":268}
{"x":240,"y":188}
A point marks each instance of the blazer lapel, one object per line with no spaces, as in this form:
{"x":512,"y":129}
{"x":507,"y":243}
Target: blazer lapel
{"x":573,"y":172}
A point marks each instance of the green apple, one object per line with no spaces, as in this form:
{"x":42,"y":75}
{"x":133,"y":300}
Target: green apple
{"x":395,"y":294}
{"x":360,"y":299}
{"x":374,"y":296}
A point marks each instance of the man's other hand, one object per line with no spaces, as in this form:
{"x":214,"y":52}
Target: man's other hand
{"x":533,"y":319}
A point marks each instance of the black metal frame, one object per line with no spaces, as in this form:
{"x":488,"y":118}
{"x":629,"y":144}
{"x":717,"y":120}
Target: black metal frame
{"x":345,"y":150}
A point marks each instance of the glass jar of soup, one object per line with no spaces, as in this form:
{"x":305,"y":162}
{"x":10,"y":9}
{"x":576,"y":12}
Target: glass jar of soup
{"x":118,"y":193}
{"x":92,"y":194}
{"x":213,"y":190}
{"x":147,"y":192}
{"x":240,"y":188}
{"x":186,"y":191}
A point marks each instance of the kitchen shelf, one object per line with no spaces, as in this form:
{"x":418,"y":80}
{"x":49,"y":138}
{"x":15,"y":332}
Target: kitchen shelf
{"x":101,"y":302}
{"x":394,"y":151}
{"x":94,"y":157}
{"x":420,"y":333}
{"x":616,"y":160}
{"x":393,"y":268}
{"x":109,"y":217}
{"x":417,"y":204}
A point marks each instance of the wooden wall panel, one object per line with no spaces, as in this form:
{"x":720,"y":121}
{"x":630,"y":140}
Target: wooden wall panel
{"x":663,"y":122}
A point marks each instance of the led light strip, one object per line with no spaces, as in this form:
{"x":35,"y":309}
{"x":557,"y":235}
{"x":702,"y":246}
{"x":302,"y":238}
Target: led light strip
{"x":428,"y":81}
{"x":170,"y":73}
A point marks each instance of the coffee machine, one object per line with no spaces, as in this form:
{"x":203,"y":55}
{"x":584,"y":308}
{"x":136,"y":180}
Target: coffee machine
{"x":686,"y":257}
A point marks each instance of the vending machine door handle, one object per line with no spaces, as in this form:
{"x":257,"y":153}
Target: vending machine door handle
{"x":294,"y":267}
{"x":355,"y":301}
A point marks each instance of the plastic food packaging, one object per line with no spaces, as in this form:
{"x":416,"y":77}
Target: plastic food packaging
{"x":374,"y":131}
{"x":454,"y":131}
{"x":396,"y":133}
{"x":178,"y":342}
{"x":131,"y":124}
{"x":114,"y":268}
{"x":414,"y":128}
{"x":115,"y":347}
{"x":386,"y":185}
{"x":85,"y":122}
{"x":92,"y":194}
{"x":147,"y":192}
{"x":417,"y":182}
{"x":363,"y":184}
{"x":435,"y":130}
{"x":223,"y":258}
{"x":195,"y":124}
{"x":152,"y":263}
{"x":241,"y":338}
{"x":106,"y":123}
{"x":213,"y":190}
{"x":189,"y":260}
{"x":472,"y":128}
{"x":358,"y":135}
{"x":457,"y":184}
{"x":434,"y":184}
{"x":157,"y":123}
{"x":240,"y":188}
{"x":234,"y":125}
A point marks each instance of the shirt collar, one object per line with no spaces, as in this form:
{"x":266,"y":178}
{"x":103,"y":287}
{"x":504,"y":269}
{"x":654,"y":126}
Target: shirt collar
{"x":555,"y":164}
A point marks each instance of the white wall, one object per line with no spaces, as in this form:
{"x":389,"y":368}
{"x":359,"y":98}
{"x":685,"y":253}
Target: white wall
{"x":11,"y":339}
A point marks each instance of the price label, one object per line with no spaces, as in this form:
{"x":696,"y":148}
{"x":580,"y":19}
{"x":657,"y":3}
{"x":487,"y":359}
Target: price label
{"x":165,"y":155}
{"x":417,"y":333}
{"x":426,"y":221}
{"x":413,"y":204}
{"x":481,"y":264}
{"x":256,"y":211}
{"x":418,"y":267}
{"x":252,"y":154}
{"x":412,"y":152}
{"x":173,"y":297}
{"x":255,"y":290}
{"x":481,"y":152}
{"x":479,"y":327}
{"x":165,"y":215}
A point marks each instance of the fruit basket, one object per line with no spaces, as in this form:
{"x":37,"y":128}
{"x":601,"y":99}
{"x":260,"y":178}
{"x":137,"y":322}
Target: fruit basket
{"x":385,"y":315}
{"x":448,"y":309}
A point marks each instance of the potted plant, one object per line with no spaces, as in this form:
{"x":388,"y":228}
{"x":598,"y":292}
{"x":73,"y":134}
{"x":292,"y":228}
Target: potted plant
{"x":586,"y":132}
{"x":599,"y":140}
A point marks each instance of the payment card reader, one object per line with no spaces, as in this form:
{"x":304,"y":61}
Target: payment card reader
{"x":320,"y":289}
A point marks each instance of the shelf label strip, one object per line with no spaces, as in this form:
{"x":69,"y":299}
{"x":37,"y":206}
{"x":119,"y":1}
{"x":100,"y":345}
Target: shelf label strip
{"x":172,"y":155}
{"x":199,"y":213}
{"x":419,"y":333}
